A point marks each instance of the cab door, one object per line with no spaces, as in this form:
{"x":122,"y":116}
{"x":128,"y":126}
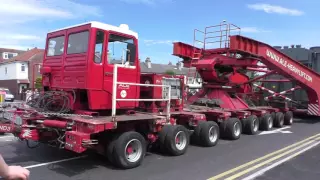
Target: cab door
{"x":122,"y":50}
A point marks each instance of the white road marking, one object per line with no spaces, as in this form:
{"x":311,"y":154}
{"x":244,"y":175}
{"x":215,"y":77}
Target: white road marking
{"x":262,"y":171}
{"x":54,"y":162}
{"x":6,"y":136}
{"x":276,"y":131}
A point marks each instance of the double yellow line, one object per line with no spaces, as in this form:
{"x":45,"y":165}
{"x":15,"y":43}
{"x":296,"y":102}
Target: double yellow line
{"x":273,"y":156}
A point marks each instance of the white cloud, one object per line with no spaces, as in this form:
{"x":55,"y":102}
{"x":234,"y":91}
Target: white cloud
{"x":11,"y":36}
{"x":253,"y":30}
{"x":21,"y":11}
{"x":275,"y":9}
{"x":147,"y":2}
{"x":20,"y":19}
{"x":149,"y":42}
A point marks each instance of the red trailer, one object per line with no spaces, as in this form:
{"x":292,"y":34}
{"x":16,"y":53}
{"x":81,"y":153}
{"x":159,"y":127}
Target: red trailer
{"x":95,"y":97}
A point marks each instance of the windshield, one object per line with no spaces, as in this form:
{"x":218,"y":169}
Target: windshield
{"x":7,"y":91}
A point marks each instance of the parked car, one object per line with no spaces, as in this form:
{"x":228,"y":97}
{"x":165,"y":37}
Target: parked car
{"x":9,"y":96}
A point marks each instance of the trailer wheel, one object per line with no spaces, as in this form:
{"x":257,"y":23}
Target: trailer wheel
{"x":129,"y":150}
{"x":288,"y":118}
{"x":273,"y":115}
{"x":206,"y":133}
{"x":266,"y":122}
{"x":251,"y":125}
{"x":175,"y":139}
{"x":278,"y":120}
{"x":110,"y":148}
{"x":231,"y":128}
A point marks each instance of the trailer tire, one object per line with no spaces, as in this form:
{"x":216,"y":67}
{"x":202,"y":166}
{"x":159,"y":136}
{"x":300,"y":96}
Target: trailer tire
{"x":129,"y":142}
{"x":231,"y":128}
{"x":273,"y":115}
{"x":172,"y":144}
{"x":206,"y":134}
{"x":251,"y":125}
{"x":266,"y":122}
{"x":288,"y":118}
{"x":110,"y":149}
{"x":278,"y":120}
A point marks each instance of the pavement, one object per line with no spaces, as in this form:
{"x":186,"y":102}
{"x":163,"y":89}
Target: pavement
{"x":228,"y":160}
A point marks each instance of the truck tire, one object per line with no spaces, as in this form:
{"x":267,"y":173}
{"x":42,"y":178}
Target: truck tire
{"x":110,"y":148}
{"x":273,"y":115}
{"x":129,"y":150}
{"x":251,"y":125}
{"x":206,"y":134}
{"x":231,"y":128}
{"x":288,"y":118}
{"x":174,"y":139}
{"x":266,"y":122}
{"x":278,"y":120}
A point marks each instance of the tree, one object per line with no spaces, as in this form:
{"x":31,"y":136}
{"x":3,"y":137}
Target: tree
{"x":170,"y":72}
{"x":38,"y":83}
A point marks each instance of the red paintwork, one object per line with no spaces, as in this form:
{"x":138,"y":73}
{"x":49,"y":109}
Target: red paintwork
{"x":78,"y":71}
{"x":156,"y":93}
{"x":55,"y":123}
{"x":6,"y":128}
{"x":282,"y":63}
{"x":74,"y":141}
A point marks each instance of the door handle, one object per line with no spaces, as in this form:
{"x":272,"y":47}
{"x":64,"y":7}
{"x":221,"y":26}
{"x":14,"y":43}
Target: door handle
{"x":108,"y":73}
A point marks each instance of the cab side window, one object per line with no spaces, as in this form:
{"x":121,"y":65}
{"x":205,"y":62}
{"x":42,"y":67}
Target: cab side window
{"x":121,"y":50}
{"x":98,"y":50}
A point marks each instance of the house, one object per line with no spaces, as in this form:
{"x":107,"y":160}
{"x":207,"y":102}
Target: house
{"x":15,"y":72}
{"x":6,"y":54}
{"x":192,"y":77}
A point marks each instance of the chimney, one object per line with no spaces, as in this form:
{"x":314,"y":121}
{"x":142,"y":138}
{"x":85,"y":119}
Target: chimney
{"x":179,"y":65}
{"x":148,"y":62}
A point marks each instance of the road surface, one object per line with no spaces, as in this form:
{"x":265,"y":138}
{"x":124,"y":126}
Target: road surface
{"x":228,"y":160}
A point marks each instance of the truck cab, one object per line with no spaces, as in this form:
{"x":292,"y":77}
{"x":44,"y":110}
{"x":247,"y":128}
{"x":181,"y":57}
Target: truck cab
{"x":81,"y":58}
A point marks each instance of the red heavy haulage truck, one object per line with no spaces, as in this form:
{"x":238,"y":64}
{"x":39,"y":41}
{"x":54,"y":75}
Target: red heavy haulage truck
{"x":95,"y":96}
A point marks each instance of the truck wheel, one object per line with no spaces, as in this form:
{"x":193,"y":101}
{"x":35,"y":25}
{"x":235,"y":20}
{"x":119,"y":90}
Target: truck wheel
{"x":176,"y":139}
{"x":206,"y":133}
{"x":251,"y":125}
{"x":273,"y":115}
{"x":266,"y":122}
{"x":278,"y":120}
{"x":129,"y":150}
{"x":231,"y":128}
{"x":288,"y":118}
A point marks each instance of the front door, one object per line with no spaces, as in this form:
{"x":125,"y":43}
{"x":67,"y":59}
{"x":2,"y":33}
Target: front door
{"x":122,"y":51}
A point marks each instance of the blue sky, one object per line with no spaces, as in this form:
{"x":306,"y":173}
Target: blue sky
{"x":24,"y":23}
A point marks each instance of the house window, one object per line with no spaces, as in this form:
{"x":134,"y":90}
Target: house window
{"x":23,"y":67}
{"x":8,"y":55}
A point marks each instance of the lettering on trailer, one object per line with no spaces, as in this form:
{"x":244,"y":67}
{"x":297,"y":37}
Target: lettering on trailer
{"x":286,"y":64}
{"x":5,"y":128}
{"x":123,"y":86}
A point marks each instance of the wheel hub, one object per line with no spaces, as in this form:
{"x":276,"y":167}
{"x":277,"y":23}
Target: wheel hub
{"x":236,"y":129}
{"x":181,"y":140}
{"x":212,"y":134}
{"x":255,"y":125}
{"x":133,"y":150}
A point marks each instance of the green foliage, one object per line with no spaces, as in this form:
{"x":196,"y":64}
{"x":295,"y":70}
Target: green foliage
{"x":170,"y":72}
{"x":38,"y":83}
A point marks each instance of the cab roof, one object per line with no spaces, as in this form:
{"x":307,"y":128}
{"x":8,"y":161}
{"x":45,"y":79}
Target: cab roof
{"x":123,"y":28}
